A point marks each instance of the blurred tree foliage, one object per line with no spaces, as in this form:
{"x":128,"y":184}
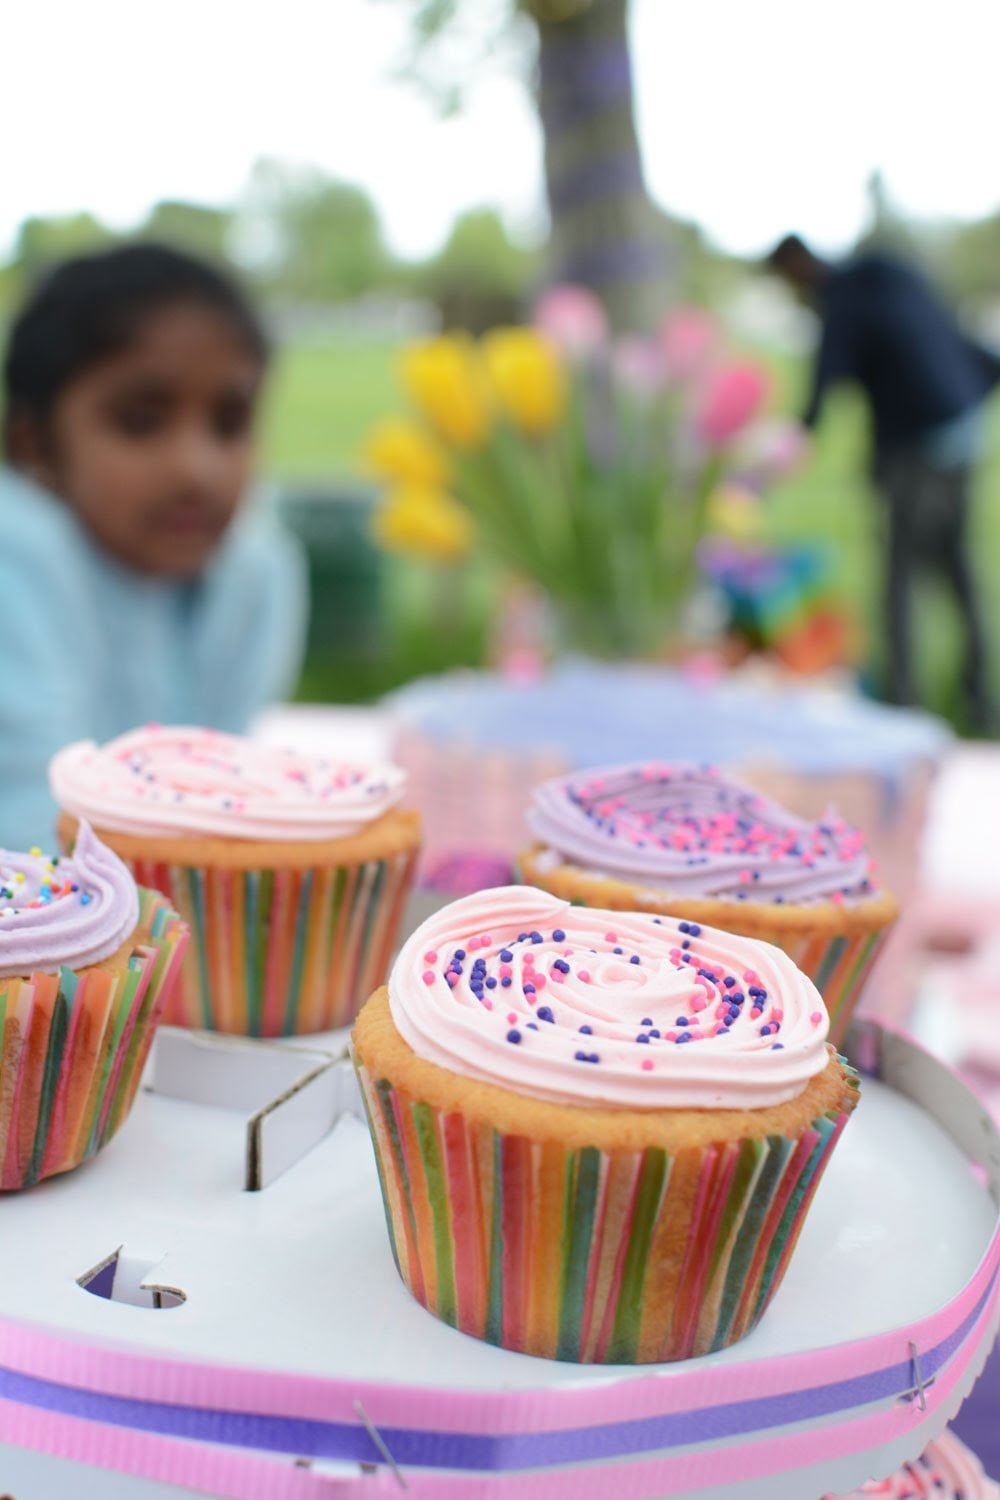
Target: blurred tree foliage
{"x":479,"y":277}
{"x":190,"y":226}
{"x":312,"y":238}
{"x":605,"y":231}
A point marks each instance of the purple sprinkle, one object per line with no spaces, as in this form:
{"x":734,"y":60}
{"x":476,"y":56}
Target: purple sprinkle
{"x":544,"y":1013}
{"x":646,"y":1021}
{"x":505,"y":955}
{"x":587,"y":1030}
{"x":513,"y":1035}
{"x":634,"y":959}
{"x":558,"y":936}
{"x":642,"y":1037}
{"x":506,"y":982}
{"x":491,"y":983}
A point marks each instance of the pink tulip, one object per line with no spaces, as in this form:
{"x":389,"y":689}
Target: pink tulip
{"x":772,"y":450}
{"x":573,"y":318}
{"x":688,"y":338}
{"x":731,"y":397}
{"x":639,"y":365}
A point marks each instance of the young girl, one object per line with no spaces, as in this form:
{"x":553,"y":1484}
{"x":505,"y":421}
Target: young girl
{"x":133,"y":585}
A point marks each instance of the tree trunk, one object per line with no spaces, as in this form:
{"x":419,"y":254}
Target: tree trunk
{"x":606,"y":233}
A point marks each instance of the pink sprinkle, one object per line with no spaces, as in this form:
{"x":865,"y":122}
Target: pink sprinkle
{"x":452,"y":978}
{"x":528,"y":960}
{"x":511,"y":1018}
{"x":430,"y":957}
{"x":539,"y":981}
{"x":487,"y":1004}
{"x":745,"y":877}
{"x":816,"y":1017}
{"x":557,"y":975}
{"x":671,"y":1036}
{"x":837,"y":897}
{"x":647,"y":1064}
{"x":506,"y":972}
{"x":698,"y":1002}
{"x":428,"y":976}
{"x":756,"y":1014}
{"x":584,"y":974}
{"x":611,"y":937}
{"x":750,"y":976}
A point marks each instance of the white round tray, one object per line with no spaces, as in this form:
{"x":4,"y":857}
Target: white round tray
{"x":298,"y":1341}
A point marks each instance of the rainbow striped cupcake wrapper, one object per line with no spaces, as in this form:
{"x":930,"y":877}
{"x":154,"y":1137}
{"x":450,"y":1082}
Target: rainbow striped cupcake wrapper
{"x":73,"y":1047}
{"x":838,"y":966}
{"x":280,"y":952}
{"x":622,"y":1257}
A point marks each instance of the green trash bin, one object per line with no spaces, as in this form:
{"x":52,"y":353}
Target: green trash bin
{"x":346,"y":569}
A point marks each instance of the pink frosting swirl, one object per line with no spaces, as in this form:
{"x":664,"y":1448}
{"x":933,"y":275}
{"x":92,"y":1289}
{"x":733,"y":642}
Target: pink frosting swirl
{"x":69,"y":912}
{"x":168,"y":782}
{"x":579,"y":1006}
{"x":946,"y":1469}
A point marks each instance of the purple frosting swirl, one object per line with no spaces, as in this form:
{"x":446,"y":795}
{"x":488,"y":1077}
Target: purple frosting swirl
{"x":692,"y":832}
{"x":64,"y":913}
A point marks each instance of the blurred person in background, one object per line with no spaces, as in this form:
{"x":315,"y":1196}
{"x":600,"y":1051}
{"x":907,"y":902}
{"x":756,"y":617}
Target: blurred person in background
{"x":137,"y":583}
{"x":886,"y":330}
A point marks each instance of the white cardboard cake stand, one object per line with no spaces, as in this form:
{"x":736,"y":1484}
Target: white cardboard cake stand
{"x":260,"y":1344}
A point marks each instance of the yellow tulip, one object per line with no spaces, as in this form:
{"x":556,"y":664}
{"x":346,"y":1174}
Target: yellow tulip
{"x":735,"y":512}
{"x":528,"y":377}
{"x":405,"y":452}
{"x":444,"y":377}
{"x":424,"y":521}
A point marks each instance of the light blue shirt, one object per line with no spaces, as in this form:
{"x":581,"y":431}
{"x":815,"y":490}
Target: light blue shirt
{"x":89,"y":649}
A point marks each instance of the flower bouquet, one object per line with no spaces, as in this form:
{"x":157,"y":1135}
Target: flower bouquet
{"x":578,"y":462}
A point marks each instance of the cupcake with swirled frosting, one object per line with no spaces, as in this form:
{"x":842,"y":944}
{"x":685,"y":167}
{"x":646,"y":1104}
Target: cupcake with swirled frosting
{"x":291,"y":870}
{"x":946,"y":1470}
{"x":689,"y":841}
{"x":87,"y":963}
{"x":598,"y":1132}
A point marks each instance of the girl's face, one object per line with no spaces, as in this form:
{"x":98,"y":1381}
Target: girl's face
{"x":152,"y":447}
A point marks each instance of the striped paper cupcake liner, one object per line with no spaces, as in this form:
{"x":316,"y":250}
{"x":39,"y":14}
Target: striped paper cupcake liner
{"x":74,"y":1046}
{"x":838,"y":966}
{"x":622,"y":1257}
{"x":280,"y":952}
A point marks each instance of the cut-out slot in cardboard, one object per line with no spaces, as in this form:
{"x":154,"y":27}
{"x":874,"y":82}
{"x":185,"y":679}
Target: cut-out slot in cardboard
{"x":130,"y":1278}
{"x":291,"y":1097}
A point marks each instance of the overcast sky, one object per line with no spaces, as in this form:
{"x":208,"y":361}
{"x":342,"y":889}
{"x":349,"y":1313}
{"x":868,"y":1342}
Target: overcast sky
{"x":755,"y":115}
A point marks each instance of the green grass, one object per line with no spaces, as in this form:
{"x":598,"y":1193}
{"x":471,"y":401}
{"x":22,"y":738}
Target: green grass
{"x":324,"y":398}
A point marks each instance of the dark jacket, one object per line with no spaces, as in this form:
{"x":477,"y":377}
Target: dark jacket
{"x":885,"y":328}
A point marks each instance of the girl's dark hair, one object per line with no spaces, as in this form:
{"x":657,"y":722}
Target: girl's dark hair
{"x":89,"y":307}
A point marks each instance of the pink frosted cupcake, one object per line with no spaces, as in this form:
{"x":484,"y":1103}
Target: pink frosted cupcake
{"x":86,"y":965}
{"x":598,"y":1136}
{"x":946,"y":1470}
{"x":291,"y":870}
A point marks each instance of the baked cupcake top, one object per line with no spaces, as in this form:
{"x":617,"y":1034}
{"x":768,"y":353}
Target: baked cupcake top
{"x":693,"y":832}
{"x":64,"y":913}
{"x":166,"y":781}
{"x":946,"y":1470}
{"x":579,"y":1006}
